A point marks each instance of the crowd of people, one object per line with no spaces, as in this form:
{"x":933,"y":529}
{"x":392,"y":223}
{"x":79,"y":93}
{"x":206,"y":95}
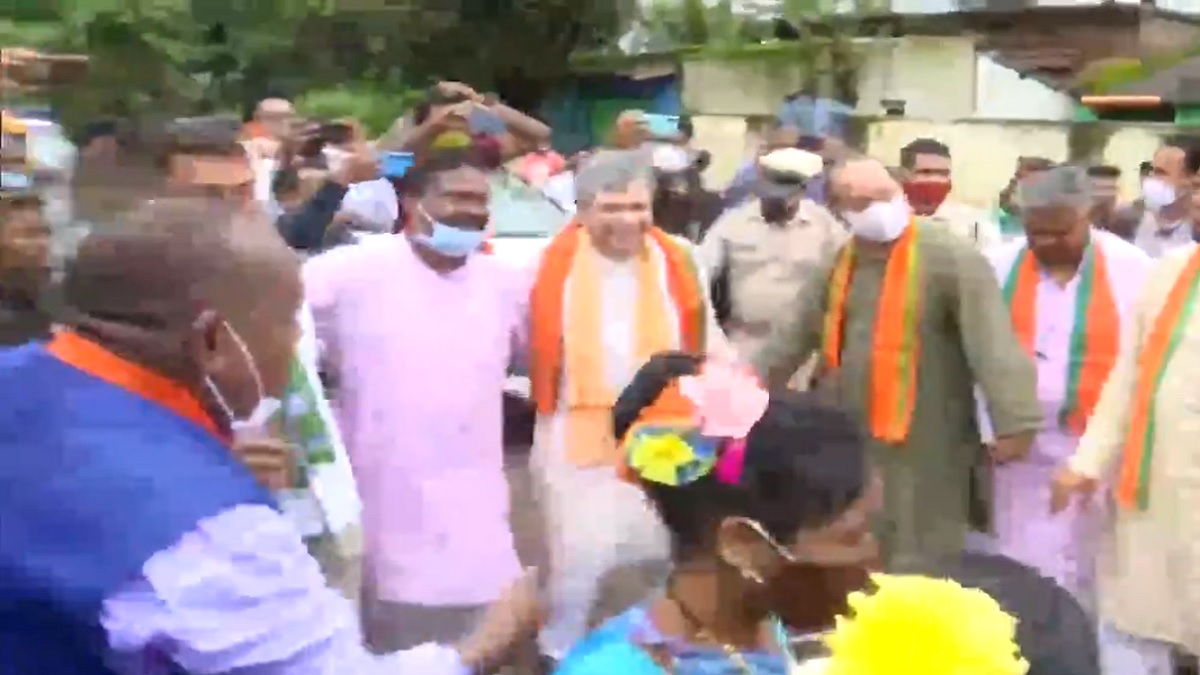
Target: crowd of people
{"x":833,"y":421}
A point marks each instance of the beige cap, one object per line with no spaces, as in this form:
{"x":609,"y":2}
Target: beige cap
{"x":793,"y":163}
{"x":784,"y":174}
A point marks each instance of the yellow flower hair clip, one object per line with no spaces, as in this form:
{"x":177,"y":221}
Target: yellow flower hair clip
{"x":663,"y":446}
{"x":664,"y":456}
{"x":697,"y":425}
{"x":913,"y":625}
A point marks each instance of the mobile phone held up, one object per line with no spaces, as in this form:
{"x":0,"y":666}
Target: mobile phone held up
{"x":329,"y":133}
{"x":662,"y":126}
{"x":395,"y":164}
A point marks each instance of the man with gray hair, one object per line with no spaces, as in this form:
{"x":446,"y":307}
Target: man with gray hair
{"x":611,"y":290}
{"x":1071,"y":289}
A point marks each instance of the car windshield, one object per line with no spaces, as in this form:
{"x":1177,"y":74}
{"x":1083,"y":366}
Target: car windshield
{"x":521,"y":211}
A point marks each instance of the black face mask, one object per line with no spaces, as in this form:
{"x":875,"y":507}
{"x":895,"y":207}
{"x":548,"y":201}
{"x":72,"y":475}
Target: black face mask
{"x":775,"y":210}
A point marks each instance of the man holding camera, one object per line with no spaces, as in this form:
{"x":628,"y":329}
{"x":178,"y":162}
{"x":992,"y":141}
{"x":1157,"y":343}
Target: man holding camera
{"x":454,"y":115}
{"x":305,"y":228}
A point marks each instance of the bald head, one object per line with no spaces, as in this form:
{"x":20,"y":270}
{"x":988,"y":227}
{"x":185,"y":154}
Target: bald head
{"x":203,"y":292}
{"x":276,"y":116}
{"x":274,"y":106}
{"x":161,"y":263}
{"x":870,"y":202}
{"x":858,"y":182}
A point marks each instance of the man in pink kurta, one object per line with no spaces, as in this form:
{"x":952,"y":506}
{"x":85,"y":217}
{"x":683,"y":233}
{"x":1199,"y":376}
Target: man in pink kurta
{"x":1063,"y":545}
{"x":417,"y":331}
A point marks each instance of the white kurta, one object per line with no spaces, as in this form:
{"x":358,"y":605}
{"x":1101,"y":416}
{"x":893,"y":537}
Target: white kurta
{"x":968,"y":222}
{"x":595,"y":522}
{"x":1149,"y":570}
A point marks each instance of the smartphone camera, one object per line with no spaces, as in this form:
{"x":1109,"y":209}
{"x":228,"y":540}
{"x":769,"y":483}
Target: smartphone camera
{"x":322,"y":136}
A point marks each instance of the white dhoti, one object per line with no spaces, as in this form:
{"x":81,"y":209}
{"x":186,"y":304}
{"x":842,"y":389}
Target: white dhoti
{"x":596,"y":525}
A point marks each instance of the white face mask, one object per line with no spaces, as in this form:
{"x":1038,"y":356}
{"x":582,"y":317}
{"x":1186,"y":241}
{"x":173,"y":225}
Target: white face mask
{"x":881,"y":221}
{"x":254,"y":426}
{"x":1158,"y":194}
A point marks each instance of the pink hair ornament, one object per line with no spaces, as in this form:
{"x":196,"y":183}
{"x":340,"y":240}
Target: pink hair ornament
{"x":729,"y":401}
{"x":733,"y":460}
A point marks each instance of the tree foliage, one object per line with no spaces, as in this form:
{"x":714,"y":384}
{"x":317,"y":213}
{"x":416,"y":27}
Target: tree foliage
{"x":816,"y":36}
{"x":159,"y":57}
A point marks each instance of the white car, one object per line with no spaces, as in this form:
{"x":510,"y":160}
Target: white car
{"x":523,"y":221}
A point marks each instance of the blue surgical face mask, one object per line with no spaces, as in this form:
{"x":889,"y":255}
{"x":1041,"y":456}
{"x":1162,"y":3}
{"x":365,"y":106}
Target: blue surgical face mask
{"x":448,"y":240}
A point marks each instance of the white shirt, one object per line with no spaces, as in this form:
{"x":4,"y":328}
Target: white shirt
{"x":560,"y":189}
{"x":374,"y":202}
{"x":1156,"y":239}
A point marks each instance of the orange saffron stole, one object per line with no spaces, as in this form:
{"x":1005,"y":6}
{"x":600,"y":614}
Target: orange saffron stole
{"x":1095,"y":333}
{"x":546,"y":308}
{"x":1133,"y":483}
{"x":896,"y":341}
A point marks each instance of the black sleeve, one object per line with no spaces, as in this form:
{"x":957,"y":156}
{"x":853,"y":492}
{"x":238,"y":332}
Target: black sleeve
{"x":304,"y":230}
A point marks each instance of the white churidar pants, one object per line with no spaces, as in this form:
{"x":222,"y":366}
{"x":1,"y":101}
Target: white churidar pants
{"x":595,"y":524}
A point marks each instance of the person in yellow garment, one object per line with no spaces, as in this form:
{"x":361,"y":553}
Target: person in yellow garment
{"x":1143,"y":437}
{"x":907,"y":318}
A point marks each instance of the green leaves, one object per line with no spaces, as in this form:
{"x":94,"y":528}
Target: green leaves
{"x":163,"y":57}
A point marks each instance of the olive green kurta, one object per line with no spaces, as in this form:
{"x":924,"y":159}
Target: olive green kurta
{"x":966,"y":338}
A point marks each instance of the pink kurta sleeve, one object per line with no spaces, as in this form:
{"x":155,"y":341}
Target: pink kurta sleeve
{"x":241,"y":594}
{"x":326,"y":279}
{"x":521,"y":280}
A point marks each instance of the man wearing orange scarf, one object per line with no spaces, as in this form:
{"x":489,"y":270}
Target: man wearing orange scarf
{"x":1143,"y":436}
{"x":611,"y":290}
{"x":906,"y":319}
{"x":1070,"y":289}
